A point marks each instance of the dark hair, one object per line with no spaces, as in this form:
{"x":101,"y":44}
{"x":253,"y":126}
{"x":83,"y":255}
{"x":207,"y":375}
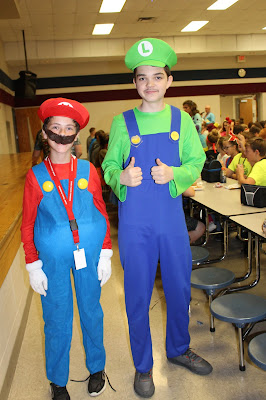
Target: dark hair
{"x":101,"y":138}
{"x":254,"y":129}
{"x":192,"y":106}
{"x":213,"y":136}
{"x":166,"y":68}
{"x":259,"y":144}
{"x":248,"y":135}
{"x":221,"y":141}
{"x":233,"y":142}
{"x":47,"y":120}
{"x":238,"y":129}
{"x":92,"y":129}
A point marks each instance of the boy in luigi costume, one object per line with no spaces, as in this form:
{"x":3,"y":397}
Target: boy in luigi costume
{"x":65,"y":229}
{"x":154,"y":155}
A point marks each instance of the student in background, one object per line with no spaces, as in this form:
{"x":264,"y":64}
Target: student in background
{"x":222,"y":156}
{"x":208,"y":117}
{"x":90,"y":141}
{"x":226,"y":127}
{"x":256,"y":155}
{"x":191,"y":108}
{"x":231,"y":148}
{"x":212,"y":139}
{"x":262,"y":133}
{"x":195,"y":227}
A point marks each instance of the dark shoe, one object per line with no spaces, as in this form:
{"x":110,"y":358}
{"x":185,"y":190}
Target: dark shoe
{"x":59,"y":392}
{"x":97,"y":383}
{"x":143,"y":384}
{"x":193,"y":362}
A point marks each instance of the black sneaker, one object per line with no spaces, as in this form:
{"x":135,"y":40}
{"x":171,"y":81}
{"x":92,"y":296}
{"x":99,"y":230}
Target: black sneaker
{"x":143,"y":384}
{"x":97,"y":383}
{"x":59,"y":392}
{"x":193,"y":362}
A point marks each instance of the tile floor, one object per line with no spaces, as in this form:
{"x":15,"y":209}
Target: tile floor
{"x":172,"y":383}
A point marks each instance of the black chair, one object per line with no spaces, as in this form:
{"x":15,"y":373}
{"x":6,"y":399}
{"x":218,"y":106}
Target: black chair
{"x":210,"y":279}
{"x":199,"y":254}
{"x":240,"y":309}
{"x":257,"y":350}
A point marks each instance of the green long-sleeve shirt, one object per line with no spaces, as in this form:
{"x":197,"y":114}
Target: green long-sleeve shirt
{"x":191,"y":152}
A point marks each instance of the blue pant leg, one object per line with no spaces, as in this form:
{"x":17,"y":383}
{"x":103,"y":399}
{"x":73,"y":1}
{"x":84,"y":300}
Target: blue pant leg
{"x":58,"y":319}
{"x":176,"y":265}
{"x":139,"y":258}
{"x":88,"y":292}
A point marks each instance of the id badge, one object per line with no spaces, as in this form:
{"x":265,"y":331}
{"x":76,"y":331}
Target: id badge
{"x":80,"y":259}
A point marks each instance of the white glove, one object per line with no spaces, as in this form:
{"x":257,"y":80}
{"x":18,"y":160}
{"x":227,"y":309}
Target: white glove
{"x":104,"y":265}
{"x":38,"y":279}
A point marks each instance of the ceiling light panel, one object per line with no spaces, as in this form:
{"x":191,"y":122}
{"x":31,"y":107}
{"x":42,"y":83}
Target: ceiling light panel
{"x":102,"y":29}
{"x":194,"y":26}
{"x":222,"y":4}
{"x":112,"y":6}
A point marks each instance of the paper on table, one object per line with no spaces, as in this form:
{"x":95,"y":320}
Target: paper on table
{"x":233,"y":186}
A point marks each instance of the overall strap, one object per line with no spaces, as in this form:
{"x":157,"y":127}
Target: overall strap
{"x":83,"y":169}
{"x":41,"y":174}
{"x":176,"y":119}
{"x":131,"y":123}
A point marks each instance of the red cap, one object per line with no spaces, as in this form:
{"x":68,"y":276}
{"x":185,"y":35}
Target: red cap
{"x":61,"y":107}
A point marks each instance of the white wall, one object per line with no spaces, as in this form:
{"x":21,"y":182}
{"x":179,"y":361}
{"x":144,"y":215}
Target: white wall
{"x":13,"y":296}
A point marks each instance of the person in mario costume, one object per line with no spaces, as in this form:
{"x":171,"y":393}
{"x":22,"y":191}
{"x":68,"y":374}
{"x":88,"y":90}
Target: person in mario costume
{"x":65,"y":228}
{"x":154,"y":155}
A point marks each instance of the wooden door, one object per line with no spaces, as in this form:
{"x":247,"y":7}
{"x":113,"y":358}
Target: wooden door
{"x":28,"y":124}
{"x":245,"y":110}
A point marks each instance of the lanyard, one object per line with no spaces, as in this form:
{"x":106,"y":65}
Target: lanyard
{"x":67,"y":201}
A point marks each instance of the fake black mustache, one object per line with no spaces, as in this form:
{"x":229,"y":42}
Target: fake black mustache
{"x":62,"y":139}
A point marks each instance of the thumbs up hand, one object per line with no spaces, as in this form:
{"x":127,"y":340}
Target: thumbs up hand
{"x":162,"y":173}
{"x":131,"y":176}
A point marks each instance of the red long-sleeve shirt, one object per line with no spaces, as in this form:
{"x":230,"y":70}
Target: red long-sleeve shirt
{"x":33,"y":196}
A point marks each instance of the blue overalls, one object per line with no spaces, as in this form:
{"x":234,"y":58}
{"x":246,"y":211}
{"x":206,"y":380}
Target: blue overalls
{"x":54,"y":241}
{"x":152,"y":227}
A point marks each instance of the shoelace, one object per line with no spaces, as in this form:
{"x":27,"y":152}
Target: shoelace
{"x":105,"y":374}
{"x":146,"y":375}
{"x":191,"y":355}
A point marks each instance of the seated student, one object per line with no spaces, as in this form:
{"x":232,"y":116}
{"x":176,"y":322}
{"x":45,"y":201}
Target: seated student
{"x":255,"y":130}
{"x":222,"y":156}
{"x":226,"y":128}
{"x":212,"y":139}
{"x":238,"y":129}
{"x":256,"y":155}
{"x":195,"y":227}
{"x":231,"y":148}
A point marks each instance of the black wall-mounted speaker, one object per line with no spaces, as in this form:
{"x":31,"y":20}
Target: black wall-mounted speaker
{"x":25,"y":85}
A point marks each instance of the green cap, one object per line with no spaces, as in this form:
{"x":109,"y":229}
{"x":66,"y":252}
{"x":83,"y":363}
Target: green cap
{"x":150,"y":51}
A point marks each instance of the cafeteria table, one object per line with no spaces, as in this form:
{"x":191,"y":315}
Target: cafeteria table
{"x":225,"y":202}
{"x":253,"y":223}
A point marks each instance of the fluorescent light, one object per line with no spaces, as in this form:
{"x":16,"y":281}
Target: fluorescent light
{"x":112,"y":6}
{"x":194,"y":26}
{"x":102,"y":29}
{"x":264,"y":28}
{"x":222,"y":4}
